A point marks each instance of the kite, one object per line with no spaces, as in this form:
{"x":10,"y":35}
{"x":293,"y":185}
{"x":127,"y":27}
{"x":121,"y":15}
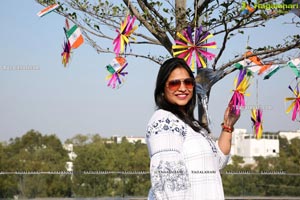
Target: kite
{"x":74,"y":39}
{"x":241,"y":83}
{"x":295,"y":105}
{"x":190,"y":45}
{"x":66,"y":54}
{"x":253,"y":64}
{"x":295,"y":66}
{"x":47,"y":10}
{"x":122,"y":40}
{"x":74,"y":36}
{"x":271,"y":71}
{"x":256,"y":118}
{"x":115,"y":68}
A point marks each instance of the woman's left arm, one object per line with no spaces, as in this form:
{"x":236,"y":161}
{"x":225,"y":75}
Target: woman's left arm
{"x":224,"y":142}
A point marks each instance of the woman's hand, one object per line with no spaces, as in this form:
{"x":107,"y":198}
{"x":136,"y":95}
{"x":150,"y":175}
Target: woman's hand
{"x":230,"y":117}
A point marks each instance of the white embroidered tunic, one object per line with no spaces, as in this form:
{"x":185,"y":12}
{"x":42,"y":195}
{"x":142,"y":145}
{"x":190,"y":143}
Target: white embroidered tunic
{"x":184,"y":164}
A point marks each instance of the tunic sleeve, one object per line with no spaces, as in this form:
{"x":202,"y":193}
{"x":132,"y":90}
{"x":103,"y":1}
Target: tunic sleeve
{"x":168,"y":172}
{"x":222,"y":158}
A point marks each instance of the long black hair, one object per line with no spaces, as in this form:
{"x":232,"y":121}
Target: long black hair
{"x":162,"y":103}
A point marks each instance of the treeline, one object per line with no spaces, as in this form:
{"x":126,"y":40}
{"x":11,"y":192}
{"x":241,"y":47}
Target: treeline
{"x":34,"y":152}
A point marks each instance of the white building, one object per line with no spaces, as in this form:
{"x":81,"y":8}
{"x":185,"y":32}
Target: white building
{"x":72,"y":155}
{"x":130,"y":139}
{"x":248,"y":147}
{"x":289,"y":135}
{"x":133,"y":139}
{"x":69,"y":147}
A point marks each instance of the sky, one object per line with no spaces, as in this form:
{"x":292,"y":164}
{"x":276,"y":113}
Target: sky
{"x":75,"y":100}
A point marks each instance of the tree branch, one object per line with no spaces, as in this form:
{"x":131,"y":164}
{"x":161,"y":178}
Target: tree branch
{"x":265,"y":53}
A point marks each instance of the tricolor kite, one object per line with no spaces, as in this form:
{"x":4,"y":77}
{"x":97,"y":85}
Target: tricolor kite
{"x":192,"y":45}
{"x":47,"y":10}
{"x":295,"y":66}
{"x":74,"y":36}
{"x":116,"y":70}
{"x":253,"y":64}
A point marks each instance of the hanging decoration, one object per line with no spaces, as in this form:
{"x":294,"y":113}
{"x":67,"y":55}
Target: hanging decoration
{"x":124,"y":34}
{"x":271,"y":71}
{"x":47,"y":10}
{"x":242,"y":82}
{"x":253,"y":63}
{"x":295,"y":105}
{"x":256,"y":118}
{"x":116,"y":72}
{"x":66,"y":54}
{"x":74,"y":39}
{"x":294,"y":64}
{"x":188,"y":47}
{"x":74,"y":36}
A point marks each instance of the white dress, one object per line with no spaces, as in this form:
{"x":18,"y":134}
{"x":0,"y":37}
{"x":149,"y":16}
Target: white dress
{"x":184,"y":164}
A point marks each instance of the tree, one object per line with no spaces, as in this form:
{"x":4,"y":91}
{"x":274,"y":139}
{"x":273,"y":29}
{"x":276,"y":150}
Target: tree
{"x":34,"y":153}
{"x":160,"y":21}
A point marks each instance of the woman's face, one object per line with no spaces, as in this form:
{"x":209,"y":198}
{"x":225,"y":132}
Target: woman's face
{"x":179,"y":87}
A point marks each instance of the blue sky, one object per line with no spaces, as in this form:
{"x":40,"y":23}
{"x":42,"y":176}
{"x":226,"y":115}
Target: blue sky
{"x":73,"y":100}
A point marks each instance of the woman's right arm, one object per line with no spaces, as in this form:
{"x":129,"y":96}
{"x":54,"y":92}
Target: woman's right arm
{"x":168,"y":172}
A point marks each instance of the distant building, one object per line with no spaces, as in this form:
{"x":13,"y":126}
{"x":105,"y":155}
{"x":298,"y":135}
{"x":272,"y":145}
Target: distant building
{"x":130,"y":139}
{"x":289,"y":135}
{"x":72,"y":155}
{"x":248,"y":147}
{"x":69,"y":166}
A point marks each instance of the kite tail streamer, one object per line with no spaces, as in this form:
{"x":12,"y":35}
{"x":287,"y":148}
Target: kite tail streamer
{"x":256,"y":118}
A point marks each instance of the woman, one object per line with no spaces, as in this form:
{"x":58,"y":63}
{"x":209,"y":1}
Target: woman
{"x":185,"y":161}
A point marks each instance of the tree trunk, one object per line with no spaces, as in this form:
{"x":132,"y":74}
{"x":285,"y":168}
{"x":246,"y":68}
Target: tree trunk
{"x":180,"y":9}
{"x":205,"y":79}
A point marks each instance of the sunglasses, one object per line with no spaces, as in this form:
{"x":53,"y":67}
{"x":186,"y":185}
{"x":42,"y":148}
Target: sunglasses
{"x":174,"y":85}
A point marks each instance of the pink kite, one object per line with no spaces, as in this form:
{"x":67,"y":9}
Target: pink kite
{"x":241,"y":83}
{"x":256,"y":118}
{"x":122,"y":40}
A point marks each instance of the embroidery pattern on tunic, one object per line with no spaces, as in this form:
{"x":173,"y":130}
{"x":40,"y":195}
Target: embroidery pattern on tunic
{"x":166,"y":124}
{"x":170,"y":175}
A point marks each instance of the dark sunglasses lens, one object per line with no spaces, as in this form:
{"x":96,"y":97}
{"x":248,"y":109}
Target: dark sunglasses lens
{"x":189,"y":83}
{"x":174,"y":84}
